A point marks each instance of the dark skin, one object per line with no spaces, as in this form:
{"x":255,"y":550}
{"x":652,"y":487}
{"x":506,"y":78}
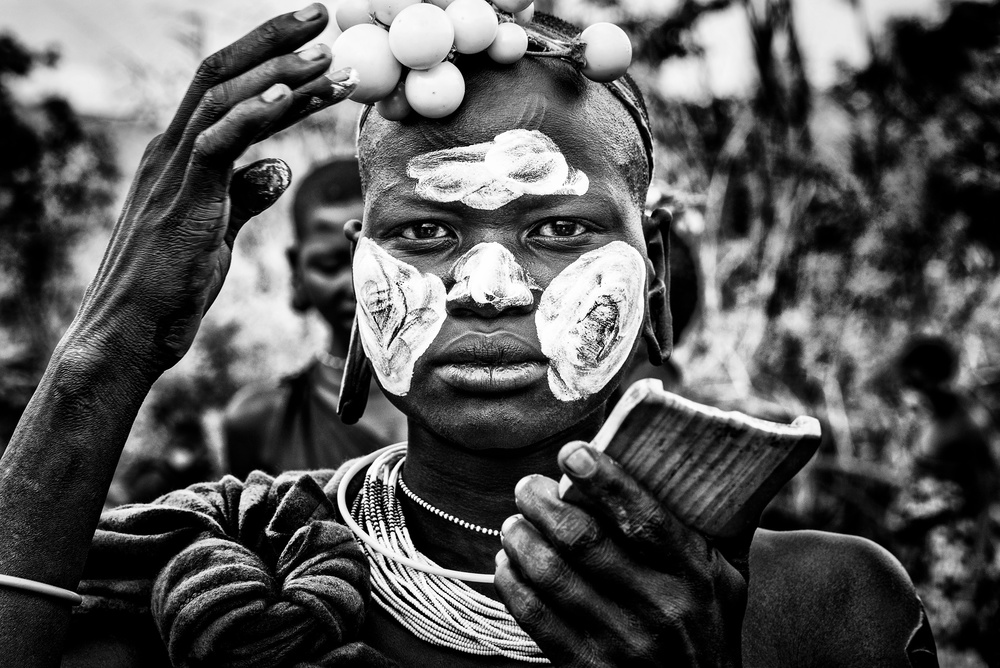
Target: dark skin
{"x":165,"y":264}
{"x":613,"y":580}
{"x":617,"y":580}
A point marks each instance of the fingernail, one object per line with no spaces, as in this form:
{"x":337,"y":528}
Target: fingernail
{"x":274,"y":93}
{"x":308,"y":13}
{"x":520,"y":485}
{"x":314,"y":52}
{"x":501,"y":559}
{"x":258,"y":185}
{"x":509,"y":522}
{"x":346,"y":76}
{"x":581,"y":463}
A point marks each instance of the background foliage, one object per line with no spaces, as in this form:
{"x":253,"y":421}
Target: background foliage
{"x":830,"y":226}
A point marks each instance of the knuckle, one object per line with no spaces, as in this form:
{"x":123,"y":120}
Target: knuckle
{"x":151,"y":147}
{"x":270,"y":34}
{"x":644,"y":646}
{"x":575,"y":531}
{"x":589,"y":657}
{"x":200,"y":148}
{"x":682,"y":611}
{"x":548,"y":570}
{"x":214,"y":101}
{"x":528,"y":609}
{"x":210,"y":71}
{"x":639,"y":521}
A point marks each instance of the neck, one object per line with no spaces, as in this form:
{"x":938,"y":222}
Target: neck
{"x":474,"y":485}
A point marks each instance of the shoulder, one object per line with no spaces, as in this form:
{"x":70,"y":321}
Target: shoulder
{"x":253,"y":402}
{"x":259,"y":401}
{"x":828,"y":560}
{"x":249,"y":421}
{"x":819,"y":598}
{"x":255,"y":407}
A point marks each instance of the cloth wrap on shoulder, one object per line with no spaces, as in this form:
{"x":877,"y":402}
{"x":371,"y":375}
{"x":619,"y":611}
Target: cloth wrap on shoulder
{"x":255,"y":573}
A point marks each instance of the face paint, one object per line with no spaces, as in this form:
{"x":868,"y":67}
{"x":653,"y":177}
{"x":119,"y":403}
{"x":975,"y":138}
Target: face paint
{"x":488,"y":175}
{"x":489,"y":275}
{"x":589,"y":317}
{"x":400,"y":311}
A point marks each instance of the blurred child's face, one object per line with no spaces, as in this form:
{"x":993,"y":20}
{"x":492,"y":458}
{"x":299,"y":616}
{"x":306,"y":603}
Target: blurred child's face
{"x":501,"y":273}
{"x":323,"y":263}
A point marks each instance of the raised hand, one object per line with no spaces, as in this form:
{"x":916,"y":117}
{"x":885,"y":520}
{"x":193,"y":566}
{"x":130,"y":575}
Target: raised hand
{"x":171,"y":248}
{"x":620,"y":582}
{"x":164,"y":265}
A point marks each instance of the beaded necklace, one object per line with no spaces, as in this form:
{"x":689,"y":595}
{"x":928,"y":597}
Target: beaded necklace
{"x":429,"y":601}
{"x":440,"y":513}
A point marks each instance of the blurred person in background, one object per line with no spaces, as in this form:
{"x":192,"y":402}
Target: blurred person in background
{"x":292,"y":424}
{"x":946,"y":519}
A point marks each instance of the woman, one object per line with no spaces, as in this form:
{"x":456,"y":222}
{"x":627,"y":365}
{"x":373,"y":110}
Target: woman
{"x":498,"y":308}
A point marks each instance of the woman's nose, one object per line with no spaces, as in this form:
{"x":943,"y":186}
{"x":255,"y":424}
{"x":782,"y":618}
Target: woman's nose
{"x":488,"y":281}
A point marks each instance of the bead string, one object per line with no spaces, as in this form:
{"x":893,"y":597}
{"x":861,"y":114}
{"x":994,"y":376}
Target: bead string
{"x":361,"y":534}
{"x":332,"y":361}
{"x":440,"y":610}
{"x":440,"y":513}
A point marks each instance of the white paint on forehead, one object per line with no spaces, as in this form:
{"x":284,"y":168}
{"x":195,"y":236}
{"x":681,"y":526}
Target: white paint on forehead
{"x":589,"y":317}
{"x":400,"y":311}
{"x":489,"y":175}
{"x":489,"y":275}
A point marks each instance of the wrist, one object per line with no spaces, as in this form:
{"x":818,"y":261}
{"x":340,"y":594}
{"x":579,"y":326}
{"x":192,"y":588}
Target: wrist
{"x":108,"y":362}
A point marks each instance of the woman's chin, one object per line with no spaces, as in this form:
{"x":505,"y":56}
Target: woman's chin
{"x":511,"y":422}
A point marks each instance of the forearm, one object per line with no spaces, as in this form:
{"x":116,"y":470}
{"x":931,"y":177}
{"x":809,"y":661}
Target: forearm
{"x":164,"y":265}
{"x":54,"y":477}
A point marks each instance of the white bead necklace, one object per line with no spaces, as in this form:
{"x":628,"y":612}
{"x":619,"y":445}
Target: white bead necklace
{"x":429,"y":601}
{"x":440,"y":513}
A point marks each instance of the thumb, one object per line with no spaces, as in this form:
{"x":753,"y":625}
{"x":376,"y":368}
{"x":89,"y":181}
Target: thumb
{"x":255,"y":187}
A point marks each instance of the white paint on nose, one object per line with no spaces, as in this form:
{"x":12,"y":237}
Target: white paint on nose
{"x":489,"y":275}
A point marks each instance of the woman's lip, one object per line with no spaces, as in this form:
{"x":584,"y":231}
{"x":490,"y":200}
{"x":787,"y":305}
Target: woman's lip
{"x":495,"y":349}
{"x":487,"y":378}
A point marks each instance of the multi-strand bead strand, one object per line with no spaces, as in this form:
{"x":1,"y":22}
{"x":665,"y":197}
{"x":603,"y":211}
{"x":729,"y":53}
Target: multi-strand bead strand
{"x":442,"y":611}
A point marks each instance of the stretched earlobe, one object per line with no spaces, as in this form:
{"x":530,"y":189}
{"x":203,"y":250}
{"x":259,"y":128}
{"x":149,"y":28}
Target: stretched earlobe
{"x":357,"y":380}
{"x":357,"y":371}
{"x":657,"y":328}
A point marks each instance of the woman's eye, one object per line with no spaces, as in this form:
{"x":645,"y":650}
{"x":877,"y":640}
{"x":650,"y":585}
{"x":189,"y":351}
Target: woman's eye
{"x":424,"y":231}
{"x":561,"y":228}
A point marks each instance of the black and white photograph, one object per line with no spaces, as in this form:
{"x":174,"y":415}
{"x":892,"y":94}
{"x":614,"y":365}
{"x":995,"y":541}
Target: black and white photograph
{"x":489,"y":333}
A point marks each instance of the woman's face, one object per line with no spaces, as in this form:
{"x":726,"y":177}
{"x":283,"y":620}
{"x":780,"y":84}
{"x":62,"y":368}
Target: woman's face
{"x":500,"y":274}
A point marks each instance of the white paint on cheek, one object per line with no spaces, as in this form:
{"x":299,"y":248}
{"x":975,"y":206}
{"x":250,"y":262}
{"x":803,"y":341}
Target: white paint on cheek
{"x":491,"y":174}
{"x":400,"y":311}
{"x":489,"y":275}
{"x":589,"y":317}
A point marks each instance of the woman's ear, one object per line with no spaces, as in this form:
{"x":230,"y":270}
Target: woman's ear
{"x":657,"y":328}
{"x":300,"y":299}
